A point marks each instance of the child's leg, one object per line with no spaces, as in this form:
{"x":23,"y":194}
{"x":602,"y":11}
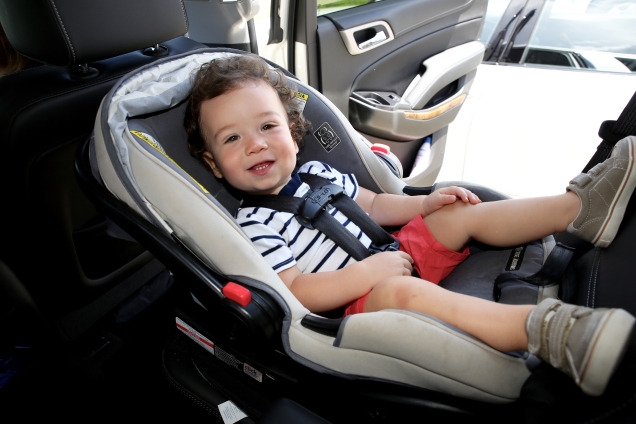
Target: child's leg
{"x":503,"y":223}
{"x":592,"y":209}
{"x":498,"y":325}
{"x":587,"y":344}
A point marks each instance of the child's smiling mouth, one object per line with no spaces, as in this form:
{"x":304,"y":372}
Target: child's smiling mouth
{"x":261,"y":168}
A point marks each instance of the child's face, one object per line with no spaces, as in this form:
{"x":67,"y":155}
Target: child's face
{"x":248,"y":140}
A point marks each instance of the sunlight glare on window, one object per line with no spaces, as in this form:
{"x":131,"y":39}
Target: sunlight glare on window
{"x":330,"y":6}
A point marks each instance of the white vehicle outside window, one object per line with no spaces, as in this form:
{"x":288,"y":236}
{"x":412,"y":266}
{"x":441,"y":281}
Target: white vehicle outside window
{"x":587,"y":34}
{"x":531,"y":120}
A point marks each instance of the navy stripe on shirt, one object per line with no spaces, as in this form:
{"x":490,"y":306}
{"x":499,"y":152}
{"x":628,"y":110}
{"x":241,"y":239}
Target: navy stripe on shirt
{"x":272,"y":250}
{"x":285,"y":225}
{"x":268,"y":237}
{"x":295,"y":239}
{"x":327,"y":256}
{"x":342,"y":265}
{"x":285,"y":262}
{"x":248,"y":223}
{"x":309,"y":245}
{"x":355,"y":187}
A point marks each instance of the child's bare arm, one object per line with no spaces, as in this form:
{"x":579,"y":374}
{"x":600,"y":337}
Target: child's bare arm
{"x":391,"y":209}
{"x":326,"y":291}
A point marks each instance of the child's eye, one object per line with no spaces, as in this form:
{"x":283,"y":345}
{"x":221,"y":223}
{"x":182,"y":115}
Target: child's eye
{"x":268,"y":127}
{"x":232,"y":138}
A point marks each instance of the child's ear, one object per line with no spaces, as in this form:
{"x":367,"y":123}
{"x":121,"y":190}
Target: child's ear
{"x":291,"y":130}
{"x":209,"y":159}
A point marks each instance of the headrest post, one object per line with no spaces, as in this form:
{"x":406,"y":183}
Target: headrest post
{"x":156,"y":50}
{"x":84,"y":72}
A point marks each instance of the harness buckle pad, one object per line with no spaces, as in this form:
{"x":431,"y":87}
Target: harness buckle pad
{"x":389,"y":247}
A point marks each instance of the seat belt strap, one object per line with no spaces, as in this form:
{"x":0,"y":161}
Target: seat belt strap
{"x":611,"y":132}
{"x":342,"y":237}
{"x":549,"y":274}
{"x":626,"y":122}
{"x":354,"y":212}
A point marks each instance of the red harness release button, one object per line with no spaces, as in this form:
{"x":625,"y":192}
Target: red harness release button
{"x":381,"y":148}
{"x":237,"y":293}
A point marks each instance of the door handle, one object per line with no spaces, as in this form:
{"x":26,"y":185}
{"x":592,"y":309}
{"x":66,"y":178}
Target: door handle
{"x":377,"y":38}
{"x":366,"y":37}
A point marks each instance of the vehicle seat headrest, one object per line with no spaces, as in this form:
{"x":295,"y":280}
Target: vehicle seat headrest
{"x":69,"y":32}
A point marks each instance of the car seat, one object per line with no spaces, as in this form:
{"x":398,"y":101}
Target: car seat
{"x":137,"y":169}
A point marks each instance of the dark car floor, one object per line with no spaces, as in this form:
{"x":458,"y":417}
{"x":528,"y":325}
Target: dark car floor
{"x":113,"y":373}
{"x":116,"y":373}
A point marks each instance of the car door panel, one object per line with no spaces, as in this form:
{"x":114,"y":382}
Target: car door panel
{"x":409,"y":48}
{"x":370,"y":55}
{"x":400,"y":13}
{"x":387,"y":115}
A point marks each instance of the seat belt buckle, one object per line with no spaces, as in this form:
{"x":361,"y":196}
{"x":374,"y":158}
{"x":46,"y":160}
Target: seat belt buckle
{"x":389,"y":247}
{"x":316,"y":201}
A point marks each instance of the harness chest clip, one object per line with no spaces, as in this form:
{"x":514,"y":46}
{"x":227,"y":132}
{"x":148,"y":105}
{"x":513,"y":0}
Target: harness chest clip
{"x":317,"y":201}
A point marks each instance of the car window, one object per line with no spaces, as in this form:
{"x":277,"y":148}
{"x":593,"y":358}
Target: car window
{"x":330,"y":6}
{"x":494,"y":12}
{"x":588,"y":34}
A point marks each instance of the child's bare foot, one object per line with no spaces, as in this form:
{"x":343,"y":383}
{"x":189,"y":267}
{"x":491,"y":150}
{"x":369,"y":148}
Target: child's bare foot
{"x":587,"y":344}
{"x":604,"y":192}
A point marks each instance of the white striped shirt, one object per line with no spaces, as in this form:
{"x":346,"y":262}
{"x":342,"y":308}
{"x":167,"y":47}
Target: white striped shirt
{"x":283,"y":242}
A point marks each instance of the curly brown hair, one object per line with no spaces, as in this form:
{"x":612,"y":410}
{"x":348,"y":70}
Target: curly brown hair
{"x":10,"y":60}
{"x":226,"y":74}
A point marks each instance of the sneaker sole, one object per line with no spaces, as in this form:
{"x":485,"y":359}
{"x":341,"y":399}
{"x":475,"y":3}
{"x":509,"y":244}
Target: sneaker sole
{"x":610,"y":227}
{"x":603,"y":357}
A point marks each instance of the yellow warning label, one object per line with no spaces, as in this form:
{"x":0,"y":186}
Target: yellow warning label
{"x":302,"y":96}
{"x":151,"y":141}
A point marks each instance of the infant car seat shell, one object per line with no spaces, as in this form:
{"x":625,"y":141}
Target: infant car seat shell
{"x":148,"y":171}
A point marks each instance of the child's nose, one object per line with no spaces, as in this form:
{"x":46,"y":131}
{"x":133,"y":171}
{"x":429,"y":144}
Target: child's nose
{"x":256,"y":144}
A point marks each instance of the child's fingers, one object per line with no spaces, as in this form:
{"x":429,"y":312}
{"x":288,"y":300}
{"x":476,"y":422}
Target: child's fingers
{"x":408,"y":266}
{"x":450,"y":194}
{"x":405,"y":256}
{"x":467,"y":196}
{"x":473,"y":198}
{"x":447,"y":199}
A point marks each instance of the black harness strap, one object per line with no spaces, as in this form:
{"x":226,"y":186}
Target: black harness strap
{"x":322,"y":197}
{"x":613,"y":131}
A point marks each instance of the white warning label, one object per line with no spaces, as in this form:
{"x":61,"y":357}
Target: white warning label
{"x":230,"y":412}
{"x":224,"y":356}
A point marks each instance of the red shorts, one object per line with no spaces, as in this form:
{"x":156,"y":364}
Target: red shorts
{"x":432,"y":261}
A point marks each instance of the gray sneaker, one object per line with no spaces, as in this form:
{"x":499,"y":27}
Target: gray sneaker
{"x":587,"y":344}
{"x":604,"y":192}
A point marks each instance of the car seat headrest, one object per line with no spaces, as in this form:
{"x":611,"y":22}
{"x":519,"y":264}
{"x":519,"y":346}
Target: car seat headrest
{"x":68,"y":33}
{"x":164,"y":131}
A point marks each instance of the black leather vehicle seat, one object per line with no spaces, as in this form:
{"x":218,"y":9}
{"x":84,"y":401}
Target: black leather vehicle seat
{"x":54,"y":239}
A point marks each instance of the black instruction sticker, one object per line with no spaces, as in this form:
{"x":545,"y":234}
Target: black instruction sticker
{"x":327,"y":137}
{"x":515,"y":259}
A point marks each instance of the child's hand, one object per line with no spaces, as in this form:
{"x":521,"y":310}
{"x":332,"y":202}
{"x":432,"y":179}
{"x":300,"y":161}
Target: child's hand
{"x":388,"y":264}
{"x":446,"y":196}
